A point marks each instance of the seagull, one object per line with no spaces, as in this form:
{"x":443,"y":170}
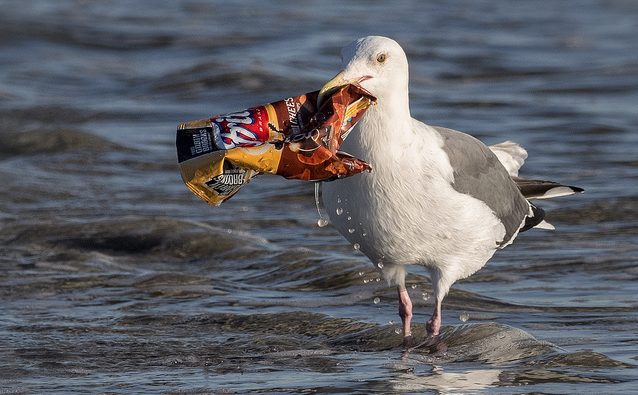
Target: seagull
{"x":435,"y":197}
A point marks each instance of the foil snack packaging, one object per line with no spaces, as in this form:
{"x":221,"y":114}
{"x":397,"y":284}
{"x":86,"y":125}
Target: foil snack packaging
{"x":291,"y":138}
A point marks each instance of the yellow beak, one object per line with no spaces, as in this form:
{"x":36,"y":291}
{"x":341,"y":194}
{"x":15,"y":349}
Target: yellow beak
{"x":330,"y":87}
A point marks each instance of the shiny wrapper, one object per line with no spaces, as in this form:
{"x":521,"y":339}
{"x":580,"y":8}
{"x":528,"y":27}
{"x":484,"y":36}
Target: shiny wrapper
{"x":290,"y":138}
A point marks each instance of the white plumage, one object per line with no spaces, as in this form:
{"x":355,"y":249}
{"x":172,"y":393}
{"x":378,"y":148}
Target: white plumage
{"x":435,"y":197}
{"x":511,"y":155}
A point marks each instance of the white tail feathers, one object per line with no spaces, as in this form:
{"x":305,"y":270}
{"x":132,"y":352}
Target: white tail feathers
{"x":511,"y":155}
{"x":562,"y":190}
{"x":545,"y":225}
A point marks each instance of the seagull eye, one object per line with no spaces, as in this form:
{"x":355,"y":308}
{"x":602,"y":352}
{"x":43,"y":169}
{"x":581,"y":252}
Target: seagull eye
{"x":381,"y":57}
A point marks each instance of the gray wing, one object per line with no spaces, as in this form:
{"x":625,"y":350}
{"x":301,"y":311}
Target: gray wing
{"x":479,"y":173}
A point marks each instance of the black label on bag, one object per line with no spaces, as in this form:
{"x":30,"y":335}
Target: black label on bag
{"x":229,"y":181}
{"x":192,"y":143}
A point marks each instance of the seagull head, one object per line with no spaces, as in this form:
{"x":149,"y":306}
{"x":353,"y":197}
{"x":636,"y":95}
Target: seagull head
{"x":377,"y":64}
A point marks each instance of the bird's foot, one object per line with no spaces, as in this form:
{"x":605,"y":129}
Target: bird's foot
{"x":433,"y":326}
{"x":405,"y":312}
{"x":408,"y":341}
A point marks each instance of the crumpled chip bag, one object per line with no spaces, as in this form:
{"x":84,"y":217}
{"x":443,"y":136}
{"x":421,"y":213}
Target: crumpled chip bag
{"x":292,"y":138}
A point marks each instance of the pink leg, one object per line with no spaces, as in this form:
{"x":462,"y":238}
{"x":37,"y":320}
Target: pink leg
{"x":433,"y":326}
{"x":405,"y":312}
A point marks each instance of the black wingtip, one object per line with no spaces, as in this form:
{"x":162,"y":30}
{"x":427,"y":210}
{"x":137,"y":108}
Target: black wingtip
{"x":542,"y":189}
{"x":576,"y":189}
{"x":538,"y":214}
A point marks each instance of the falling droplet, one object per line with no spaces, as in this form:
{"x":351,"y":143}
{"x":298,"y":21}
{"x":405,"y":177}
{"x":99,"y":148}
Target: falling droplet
{"x":425,"y":296}
{"x":397,"y":331}
{"x":339,"y":211}
{"x":356,"y":246}
{"x":414,"y":286}
{"x":380,"y":265}
{"x":351,"y":230}
{"x":376,"y":300}
{"x":464,"y":316}
{"x":323,"y":217}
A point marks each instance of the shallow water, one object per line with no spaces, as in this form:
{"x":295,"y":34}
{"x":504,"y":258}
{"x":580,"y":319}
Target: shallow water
{"x":115,"y":278}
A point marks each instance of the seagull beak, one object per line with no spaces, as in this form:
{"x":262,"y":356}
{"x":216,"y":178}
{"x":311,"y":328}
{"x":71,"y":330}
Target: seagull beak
{"x":330,"y":87}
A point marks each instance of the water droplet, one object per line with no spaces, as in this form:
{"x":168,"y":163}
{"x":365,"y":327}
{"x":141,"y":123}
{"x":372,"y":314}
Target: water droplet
{"x":365,"y":281}
{"x":391,"y":322}
{"x":356,"y":246}
{"x":397,"y":331}
{"x":376,"y":300}
{"x":338,"y":200}
{"x":377,"y":279}
{"x":361,"y":273}
{"x":364,"y":234}
{"x":464,"y":316}
{"x":323,"y":217}
{"x":339,"y":211}
{"x":380,"y":265}
{"x":349,"y":218}
{"x":425,"y":296}
{"x":351,"y":230}
{"x":414,"y":286}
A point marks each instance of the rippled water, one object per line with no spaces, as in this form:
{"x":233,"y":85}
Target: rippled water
{"x":115,"y":278}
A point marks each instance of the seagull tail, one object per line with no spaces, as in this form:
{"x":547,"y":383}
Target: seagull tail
{"x":535,"y":219}
{"x":541,"y":189}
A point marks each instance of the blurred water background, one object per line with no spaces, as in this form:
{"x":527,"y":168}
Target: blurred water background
{"x":114,"y":278}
